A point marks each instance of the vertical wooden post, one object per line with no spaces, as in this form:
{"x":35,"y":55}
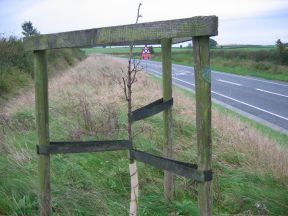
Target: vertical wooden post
{"x":203,"y":119}
{"x":167,"y":114}
{"x":41,"y":100}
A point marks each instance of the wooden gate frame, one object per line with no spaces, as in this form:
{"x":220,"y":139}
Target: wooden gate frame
{"x":165,"y":33}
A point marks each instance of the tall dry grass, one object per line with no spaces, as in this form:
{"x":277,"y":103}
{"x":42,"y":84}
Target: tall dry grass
{"x":258,"y":153}
{"x":91,"y":95}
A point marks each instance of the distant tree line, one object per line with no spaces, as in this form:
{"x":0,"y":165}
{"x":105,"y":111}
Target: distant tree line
{"x":282,"y":50}
{"x":28,"y":30}
{"x":212,"y":44}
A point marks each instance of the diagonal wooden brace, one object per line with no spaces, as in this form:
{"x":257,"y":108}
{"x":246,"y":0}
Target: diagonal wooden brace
{"x":180,"y":168}
{"x":150,"y":109}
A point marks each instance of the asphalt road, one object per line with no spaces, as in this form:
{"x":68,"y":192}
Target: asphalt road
{"x":261,"y":100}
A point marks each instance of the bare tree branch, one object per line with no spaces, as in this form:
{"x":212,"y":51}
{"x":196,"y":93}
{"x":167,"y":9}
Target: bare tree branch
{"x":138,"y":13}
{"x":124,"y":88}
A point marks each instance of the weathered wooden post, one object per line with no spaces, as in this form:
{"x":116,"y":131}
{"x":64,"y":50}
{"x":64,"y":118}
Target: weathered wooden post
{"x":203,"y":119}
{"x":167,"y":114}
{"x":41,"y":100}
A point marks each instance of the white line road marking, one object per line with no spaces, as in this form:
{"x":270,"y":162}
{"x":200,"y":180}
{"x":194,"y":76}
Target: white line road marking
{"x":181,"y":73}
{"x":174,"y":78}
{"x":249,"y":78}
{"x":274,"y":83}
{"x":155,"y":72}
{"x":272,"y":92}
{"x":184,"y":81}
{"x":274,"y":114}
{"x":225,"y":81}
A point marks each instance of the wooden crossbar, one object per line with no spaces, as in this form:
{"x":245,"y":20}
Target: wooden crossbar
{"x":150,"y":109}
{"x":83,"y":146}
{"x":139,"y":34}
{"x":180,"y":168}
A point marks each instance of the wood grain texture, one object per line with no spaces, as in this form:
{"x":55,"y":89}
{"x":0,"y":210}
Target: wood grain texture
{"x":203,"y":119}
{"x":150,"y":109}
{"x":42,"y":119}
{"x":84,"y":146}
{"x":167,"y":114}
{"x":143,"y":33}
{"x":180,"y":168}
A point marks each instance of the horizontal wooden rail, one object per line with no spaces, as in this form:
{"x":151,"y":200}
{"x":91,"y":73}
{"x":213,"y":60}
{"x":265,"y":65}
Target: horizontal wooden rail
{"x":180,"y":168}
{"x":83,"y":146}
{"x":143,"y":33}
{"x":150,"y":109}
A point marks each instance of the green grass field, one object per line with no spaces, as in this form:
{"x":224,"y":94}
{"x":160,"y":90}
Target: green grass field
{"x":125,"y":50}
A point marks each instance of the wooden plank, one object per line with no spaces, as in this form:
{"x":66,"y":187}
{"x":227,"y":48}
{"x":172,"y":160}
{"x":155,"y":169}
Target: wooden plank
{"x":143,"y":33}
{"x":84,"y":146}
{"x":203,"y":119}
{"x":42,"y":121}
{"x":150,"y":109}
{"x":167,"y":114}
{"x":180,"y":168}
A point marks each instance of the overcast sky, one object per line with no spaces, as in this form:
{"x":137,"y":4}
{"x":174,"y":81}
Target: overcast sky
{"x":240,"y":21}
